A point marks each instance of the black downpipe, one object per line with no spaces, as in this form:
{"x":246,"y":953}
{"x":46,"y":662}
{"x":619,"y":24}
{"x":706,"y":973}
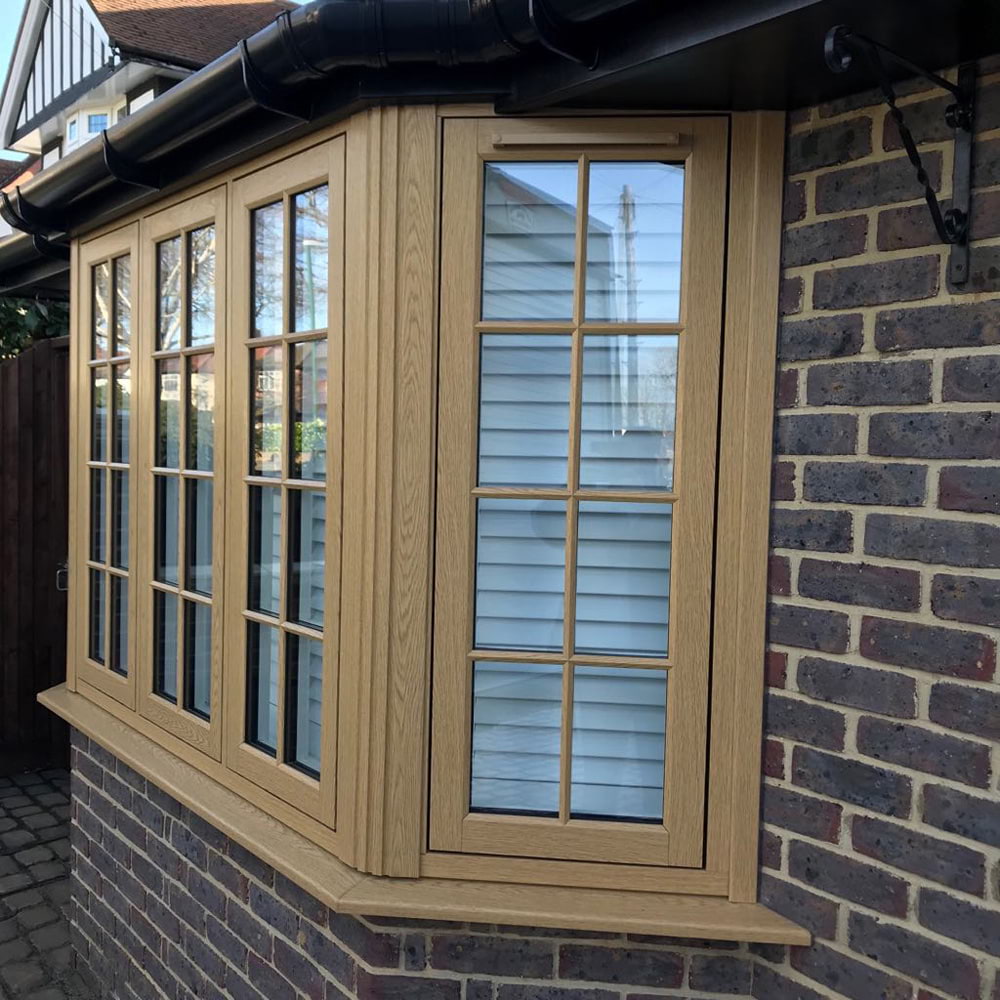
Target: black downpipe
{"x":302,"y":46}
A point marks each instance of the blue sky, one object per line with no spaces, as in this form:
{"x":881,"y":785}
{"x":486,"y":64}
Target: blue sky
{"x":9,"y":20}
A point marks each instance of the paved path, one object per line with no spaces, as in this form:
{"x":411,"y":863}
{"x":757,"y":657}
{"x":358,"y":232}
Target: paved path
{"x":36,"y":959}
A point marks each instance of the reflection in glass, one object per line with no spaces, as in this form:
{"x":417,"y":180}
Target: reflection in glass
{"x":123,"y":413}
{"x":119,"y":518}
{"x":95,"y":645}
{"x":198,"y":658}
{"x":265,"y":550}
{"x":309,"y":397}
{"x":201,"y":412}
{"x":99,"y":410}
{"x":119,"y":626}
{"x":267,"y":389}
{"x":520,"y":574}
{"x":529,"y":240}
{"x":307,"y":523}
{"x":123,"y":305}
{"x":101,"y":309}
{"x":201,"y":286}
{"x":165,"y":645}
{"x":619,"y":742}
{"x":262,"y":687}
{"x":167,"y":521}
{"x":168,"y":413}
{"x":634,"y":233}
{"x":98,"y":516}
{"x":628,"y":413}
{"x":305,"y":703}
{"x":623,"y":578}
{"x":198,"y":525}
{"x":268,"y":257}
{"x":311,"y":236}
{"x":168,"y":310}
{"x":524,"y":410}
{"x":516,"y":727}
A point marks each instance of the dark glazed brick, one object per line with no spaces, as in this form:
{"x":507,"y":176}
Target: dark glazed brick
{"x":637,"y":967}
{"x":967,"y":709}
{"x":189,"y":845}
{"x":790,"y":294}
{"x":769,"y":985}
{"x":852,"y":781}
{"x":271,"y":984}
{"x":326,"y":953}
{"x":820,"y":337}
{"x":492,"y":956}
{"x":839,"y":876}
{"x":406,"y":987}
{"x":970,"y":488}
{"x":816,"y":434}
{"x":478,"y":989}
{"x":860,"y":583}
{"x":829,"y":145}
{"x":775,"y":668}
{"x":307,"y":905}
{"x":870,"y":383}
{"x":779,"y":576}
{"x":803,"y":814}
{"x":794,"y":205}
{"x":847,"y":976}
{"x":856,"y":686}
{"x":808,"y":628}
{"x":915,"y":955}
{"x":770,"y":850}
{"x":967,"y":325}
{"x":912,"y":226}
{"x":962,"y":814}
{"x":933,"y":540}
{"x":929,"y":647}
{"x":414,"y":952}
{"x":786,"y":389}
{"x":972,"y":380}
{"x":873,"y":184}
{"x":273,"y":912}
{"x":805,"y":723}
{"x":925,"y":750}
{"x":517,"y":991}
{"x":938,"y":860}
{"x":823,"y":241}
{"x":249,"y":930}
{"x":298,"y":970}
{"x":816,"y":914}
{"x":984,"y":272}
{"x":903,"y":280}
{"x":374,"y":947}
{"x":720,"y":974}
{"x":783,"y":481}
{"x":890,"y":484}
{"x":774,"y":759}
{"x":970,"y":599}
{"x":815,"y":530}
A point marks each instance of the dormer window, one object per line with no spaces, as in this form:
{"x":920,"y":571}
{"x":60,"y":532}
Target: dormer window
{"x":97,"y":123}
{"x":71,"y":131}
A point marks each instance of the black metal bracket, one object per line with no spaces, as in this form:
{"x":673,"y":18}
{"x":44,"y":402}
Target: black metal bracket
{"x":22,"y":215}
{"x":128,"y":171}
{"x":280,"y":100}
{"x":46,"y":248}
{"x":562,"y":37}
{"x":954,"y":224}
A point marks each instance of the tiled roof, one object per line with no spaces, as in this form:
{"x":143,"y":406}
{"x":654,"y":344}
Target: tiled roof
{"x":9,"y":169}
{"x":184,"y":32}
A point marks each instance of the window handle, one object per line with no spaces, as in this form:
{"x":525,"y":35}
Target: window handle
{"x":62,"y":577}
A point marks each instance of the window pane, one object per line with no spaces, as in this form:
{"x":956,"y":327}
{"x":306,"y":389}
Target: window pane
{"x":119,"y":626}
{"x":98,"y":516}
{"x":529,"y":240}
{"x":623,"y":578}
{"x":516,"y":726}
{"x":201,"y":412}
{"x":201,"y":286}
{"x":99,"y":426}
{"x":123,"y":414}
{"x":119,"y":518}
{"x":95,"y":646}
{"x":167,"y":523}
{"x":310,"y":409}
{"x":168,"y":414}
{"x":524,"y":391}
{"x":123,"y":305}
{"x":619,"y":741}
{"x":308,"y":554}
{"x":262,"y":687}
{"x":268,"y":270}
{"x":265,"y":549}
{"x":168,"y":323}
{"x":267,"y":405}
{"x":198,"y":658}
{"x":96,"y":123}
{"x":634,"y":234}
{"x":311,"y":222}
{"x":520,"y":574}
{"x":102,"y":309}
{"x":165,"y":645}
{"x":628,"y":414}
{"x":305,"y":703}
{"x":198,"y":525}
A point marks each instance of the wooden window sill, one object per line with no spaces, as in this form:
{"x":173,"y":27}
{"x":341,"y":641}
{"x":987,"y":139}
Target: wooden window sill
{"x":348,"y":891}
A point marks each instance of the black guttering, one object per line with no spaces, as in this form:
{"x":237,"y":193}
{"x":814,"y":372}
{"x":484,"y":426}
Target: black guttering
{"x":289,"y":68}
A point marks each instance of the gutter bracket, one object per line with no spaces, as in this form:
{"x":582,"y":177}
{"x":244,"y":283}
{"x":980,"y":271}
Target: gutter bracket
{"x":46,"y":248}
{"x":265,"y":95}
{"x":128,"y":171}
{"x":954,"y":224}
{"x":562,"y":37}
{"x":21,"y":214}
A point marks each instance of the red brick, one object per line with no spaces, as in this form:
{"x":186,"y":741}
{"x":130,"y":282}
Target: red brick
{"x":779,"y":576}
{"x":775,"y":668}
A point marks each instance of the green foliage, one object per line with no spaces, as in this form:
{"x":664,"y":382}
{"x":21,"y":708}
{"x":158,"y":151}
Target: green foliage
{"x":23,"y":321}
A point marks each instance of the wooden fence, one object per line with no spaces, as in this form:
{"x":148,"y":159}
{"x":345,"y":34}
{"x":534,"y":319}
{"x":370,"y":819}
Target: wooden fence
{"x":34,"y":487}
